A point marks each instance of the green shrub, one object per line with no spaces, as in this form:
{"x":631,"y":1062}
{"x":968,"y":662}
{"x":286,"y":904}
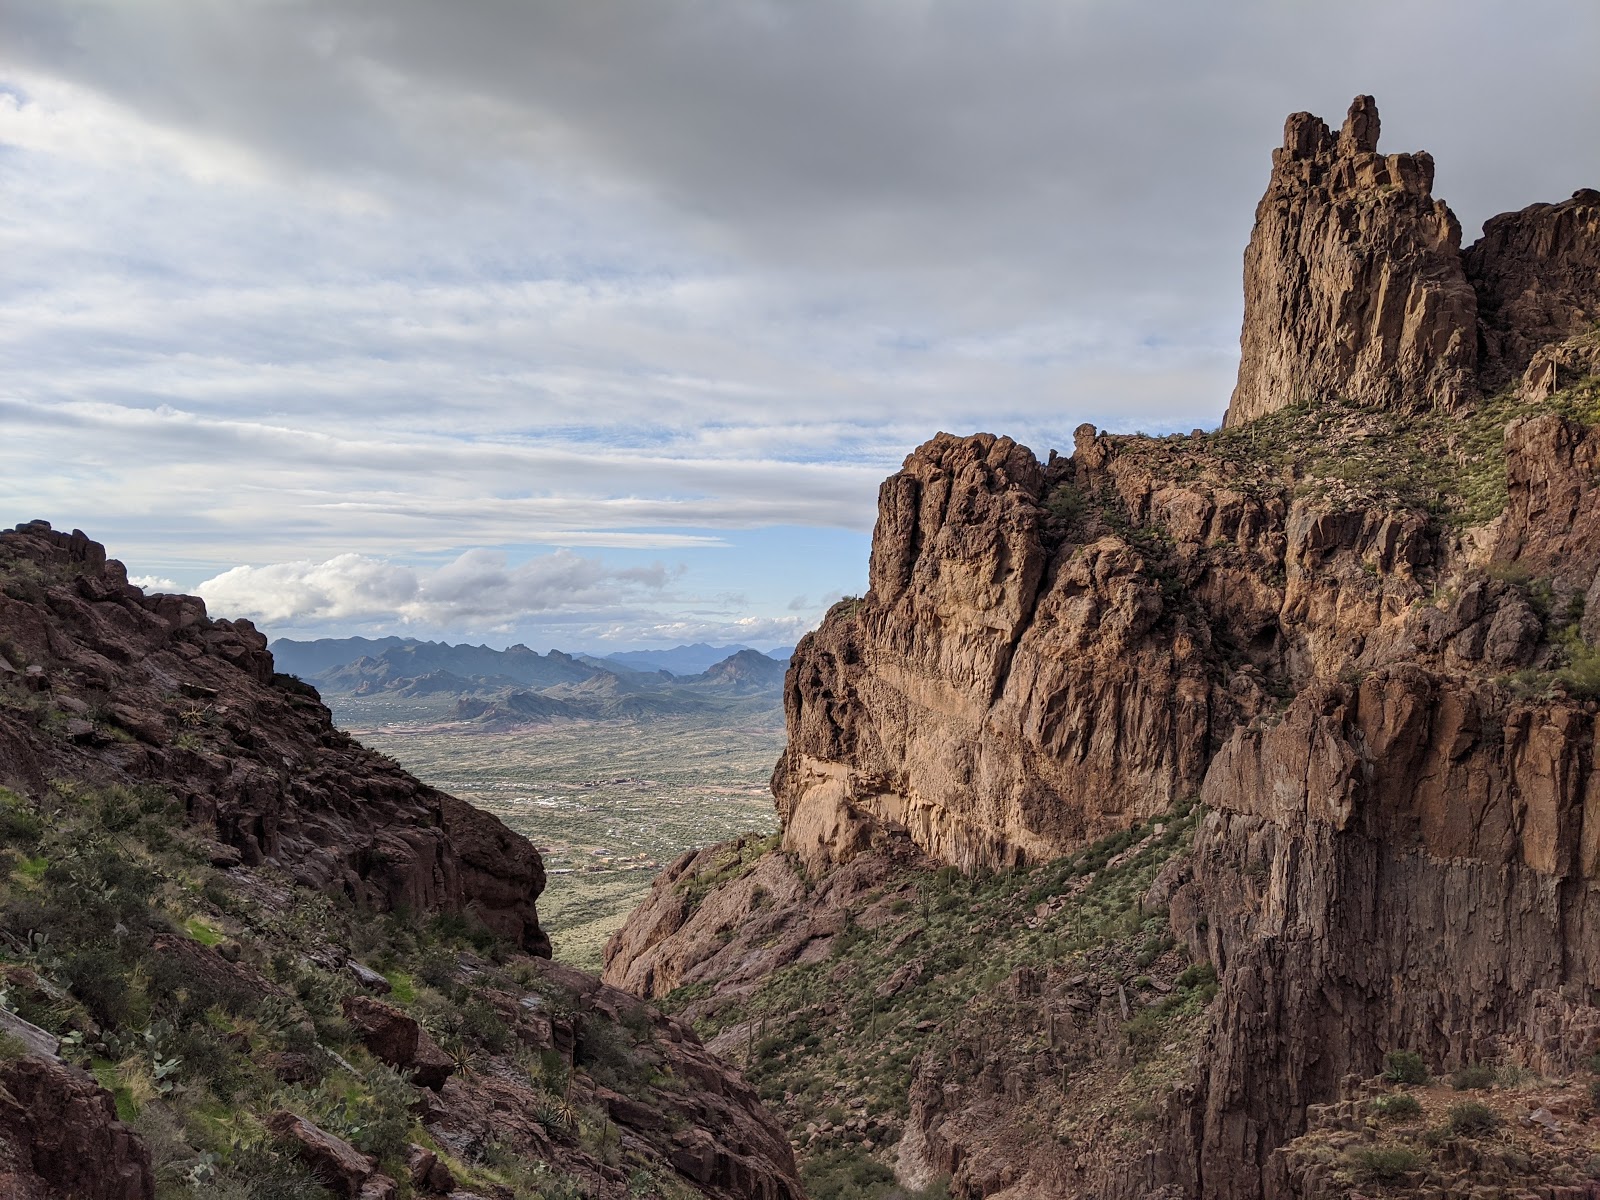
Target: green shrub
{"x":1404,"y":1066}
{"x":1470,"y":1117}
{"x":846,"y":1174}
{"x":1384,"y":1164}
{"x":1397,"y":1106}
{"x":1470,"y":1078}
{"x":482,"y":1026}
{"x":377,"y":1120}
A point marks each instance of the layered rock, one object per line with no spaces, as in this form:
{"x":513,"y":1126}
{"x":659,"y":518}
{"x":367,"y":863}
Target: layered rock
{"x":1537,"y":277}
{"x":163,"y":693}
{"x":1017,"y":682}
{"x":60,"y":1137}
{"x":1353,"y":281}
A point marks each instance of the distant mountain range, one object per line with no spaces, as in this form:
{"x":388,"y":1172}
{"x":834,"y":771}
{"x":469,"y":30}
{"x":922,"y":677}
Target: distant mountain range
{"x":497,"y":688}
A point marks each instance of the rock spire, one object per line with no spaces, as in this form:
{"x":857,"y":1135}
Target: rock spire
{"x":1354,"y":284}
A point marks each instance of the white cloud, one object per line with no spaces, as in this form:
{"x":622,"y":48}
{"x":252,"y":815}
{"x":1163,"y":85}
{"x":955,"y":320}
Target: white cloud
{"x":477,"y":590}
{"x":153,"y":583}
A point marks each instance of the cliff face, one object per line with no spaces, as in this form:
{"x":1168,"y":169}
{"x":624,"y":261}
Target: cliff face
{"x":1361,"y":632}
{"x":1536,"y":274}
{"x":1353,"y":281}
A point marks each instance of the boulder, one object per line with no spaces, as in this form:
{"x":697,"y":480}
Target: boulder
{"x":337,"y":1164}
{"x":398,"y":1040}
{"x":368,"y":978}
{"x":60,"y":1137}
{"x":428,"y":1173}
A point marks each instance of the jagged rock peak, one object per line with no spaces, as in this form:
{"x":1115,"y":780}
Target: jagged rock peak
{"x":1354,"y":284}
{"x":1361,"y":125}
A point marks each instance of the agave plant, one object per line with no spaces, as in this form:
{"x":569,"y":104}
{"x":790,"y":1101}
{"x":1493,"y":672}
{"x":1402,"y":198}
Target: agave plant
{"x":557,"y":1114}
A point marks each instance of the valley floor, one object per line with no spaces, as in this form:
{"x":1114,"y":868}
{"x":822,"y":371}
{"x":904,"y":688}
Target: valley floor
{"x":608,"y":803}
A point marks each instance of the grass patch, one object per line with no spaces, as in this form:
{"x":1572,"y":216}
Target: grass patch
{"x":1397,"y":1106}
{"x":402,"y":987}
{"x":203,"y":932}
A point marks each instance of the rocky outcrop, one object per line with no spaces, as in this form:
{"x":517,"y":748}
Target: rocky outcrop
{"x":1357,"y":289}
{"x":163,"y":693}
{"x":60,"y":1138}
{"x":398,"y":1040}
{"x":1353,"y":281}
{"x":1049,"y":653}
{"x":1537,"y":278}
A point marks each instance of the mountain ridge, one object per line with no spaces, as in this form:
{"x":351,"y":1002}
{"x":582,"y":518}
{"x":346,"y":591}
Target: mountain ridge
{"x":243,"y":956}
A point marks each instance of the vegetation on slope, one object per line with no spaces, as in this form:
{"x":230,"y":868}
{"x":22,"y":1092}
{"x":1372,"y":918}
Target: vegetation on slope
{"x":101,"y":889}
{"x":1445,"y":463}
{"x":930,"y":965}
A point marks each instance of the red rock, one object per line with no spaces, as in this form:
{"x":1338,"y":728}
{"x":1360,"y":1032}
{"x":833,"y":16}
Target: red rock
{"x":277,"y":780}
{"x":398,"y":1040}
{"x":1354,"y":283}
{"x":337,"y":1164}
{"x":60,"y":1137}
{"x":428,"y":1173}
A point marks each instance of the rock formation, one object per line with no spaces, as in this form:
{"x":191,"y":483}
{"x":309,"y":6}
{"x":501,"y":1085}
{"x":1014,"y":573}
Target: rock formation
{"x":1537,"y":278}
{"x":1353,"y":281}
{"x":60,"y":1137}
{"x":177,"y":697}
{"x":1364,"y":641}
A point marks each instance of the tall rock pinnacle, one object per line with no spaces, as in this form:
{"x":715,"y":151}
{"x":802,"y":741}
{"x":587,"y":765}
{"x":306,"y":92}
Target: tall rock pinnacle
{"x":1353,"y":280}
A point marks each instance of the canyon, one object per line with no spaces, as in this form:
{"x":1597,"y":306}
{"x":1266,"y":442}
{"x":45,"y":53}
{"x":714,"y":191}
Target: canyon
{"x":1210,"y":816}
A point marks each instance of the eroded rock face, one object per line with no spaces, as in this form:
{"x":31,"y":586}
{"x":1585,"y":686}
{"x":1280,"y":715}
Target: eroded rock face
{"x":1074,"y":673}
{"x":1537,"y":277}
{"x":60,"y":1137}
{"x":962,"y":698}
{"x":1353,"y":280}
{"x":194,"y":704}
{"x":1331,"y":884}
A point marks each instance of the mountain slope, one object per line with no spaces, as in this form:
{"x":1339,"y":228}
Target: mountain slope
{"x":242,"y":956}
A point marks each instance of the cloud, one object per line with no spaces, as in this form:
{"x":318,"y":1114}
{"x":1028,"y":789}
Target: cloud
{"x":153,"y":583}
{"x":291,"y":279}
{"x":476,"y":590}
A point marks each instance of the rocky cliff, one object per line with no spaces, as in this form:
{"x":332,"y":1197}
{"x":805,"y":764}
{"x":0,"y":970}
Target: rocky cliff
{"x":1356,"y":287}
{"x":241,"y":955}
{"x":1355,"y":625}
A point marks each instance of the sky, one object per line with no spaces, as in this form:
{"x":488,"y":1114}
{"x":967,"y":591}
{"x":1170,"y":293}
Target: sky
{"x":597,"y":325}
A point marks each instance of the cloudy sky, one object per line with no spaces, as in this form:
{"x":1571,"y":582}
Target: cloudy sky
{"x":597,"y":324}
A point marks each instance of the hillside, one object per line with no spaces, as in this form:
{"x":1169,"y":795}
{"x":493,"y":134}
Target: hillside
{"x":242,"y":956}
{"x":1166,"y":813}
